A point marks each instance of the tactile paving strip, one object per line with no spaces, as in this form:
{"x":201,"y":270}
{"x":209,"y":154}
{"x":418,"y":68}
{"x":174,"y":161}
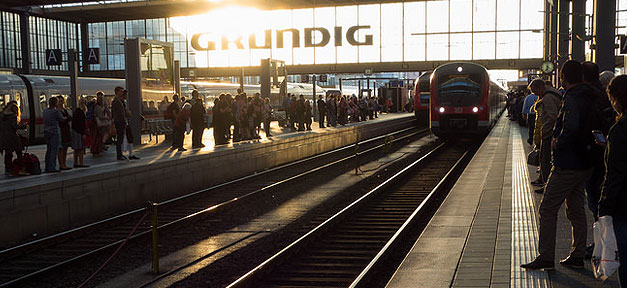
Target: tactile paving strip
{"x":524,"y":227}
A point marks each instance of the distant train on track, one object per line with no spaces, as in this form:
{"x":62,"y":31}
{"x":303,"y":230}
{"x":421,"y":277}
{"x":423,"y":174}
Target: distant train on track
{"x":33,"y":91}
{"x":422,"y":93}
{"x":464,"y":99}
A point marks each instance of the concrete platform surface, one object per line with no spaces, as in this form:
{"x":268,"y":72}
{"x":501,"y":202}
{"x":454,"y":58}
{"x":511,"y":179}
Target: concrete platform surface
{"x":488,"y":225}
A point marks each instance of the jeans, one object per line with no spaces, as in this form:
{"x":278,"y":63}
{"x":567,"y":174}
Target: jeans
{"x":620,"y":229}
{"x":321,"y":118}
{"x":531,"y":124}
{"x":120,"y":131}
{"x":545,"y":159}
{"x":52,"y":149}
{"x":563,"y":185}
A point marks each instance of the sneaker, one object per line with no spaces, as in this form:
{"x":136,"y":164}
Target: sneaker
{"x":181,"y":149}
{"x":133,"y":158}
{"x":572,"y":262}
{"x":538,"y":265}
{"x":539,"y":190}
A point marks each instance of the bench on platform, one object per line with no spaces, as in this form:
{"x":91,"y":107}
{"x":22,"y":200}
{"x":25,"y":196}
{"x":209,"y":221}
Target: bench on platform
{"x":157,"y":127}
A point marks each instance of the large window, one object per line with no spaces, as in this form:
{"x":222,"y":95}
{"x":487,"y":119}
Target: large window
{"x":389,"y":32}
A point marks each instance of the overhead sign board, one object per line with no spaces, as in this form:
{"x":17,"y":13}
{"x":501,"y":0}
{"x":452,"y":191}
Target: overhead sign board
{"x":53,"y":57}
{"x":92,"y":56}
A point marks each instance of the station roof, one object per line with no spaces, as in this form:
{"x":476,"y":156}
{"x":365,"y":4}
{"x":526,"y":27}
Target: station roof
{"x":116,"y":10}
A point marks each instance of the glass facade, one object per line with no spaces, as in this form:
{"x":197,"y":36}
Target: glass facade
{"x":10,"y":41}
{"x":51,"y":34}
{"x":393,"y":32}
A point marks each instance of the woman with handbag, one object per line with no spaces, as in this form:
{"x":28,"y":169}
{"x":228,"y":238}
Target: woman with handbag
{"x":102,"y":126}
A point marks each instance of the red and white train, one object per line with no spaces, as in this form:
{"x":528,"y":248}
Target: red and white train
{"x":464,"y":99}
{"x":422,"y":93}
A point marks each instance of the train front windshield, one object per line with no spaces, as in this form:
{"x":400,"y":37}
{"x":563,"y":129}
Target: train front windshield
{"x":423,"y":90}
{"x":459,"y":90}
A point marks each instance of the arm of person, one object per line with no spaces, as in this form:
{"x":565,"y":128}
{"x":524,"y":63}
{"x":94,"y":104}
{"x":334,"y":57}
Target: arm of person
{"x":616,"y":176}
{"x":550,"y":109}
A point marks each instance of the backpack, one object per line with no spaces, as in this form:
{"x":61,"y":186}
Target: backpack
{"x":29,"y":163}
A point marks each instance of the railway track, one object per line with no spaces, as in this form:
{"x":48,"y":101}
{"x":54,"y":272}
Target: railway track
{"x":26,"y":261}
{"x":349,"y":247}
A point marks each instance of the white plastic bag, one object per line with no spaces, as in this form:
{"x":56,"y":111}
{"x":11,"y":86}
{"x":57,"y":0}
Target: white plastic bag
{"x":188,"y":128}
{"x":605,"y":255}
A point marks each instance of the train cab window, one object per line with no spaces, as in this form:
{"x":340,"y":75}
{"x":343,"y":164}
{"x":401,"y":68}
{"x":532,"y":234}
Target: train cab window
{"x":462,"y":90}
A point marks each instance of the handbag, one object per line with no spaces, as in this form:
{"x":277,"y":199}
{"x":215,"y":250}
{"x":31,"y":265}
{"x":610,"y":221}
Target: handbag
{"x":103,"y":123}
{"x":533,"y":158}
{"x":605,"y":256}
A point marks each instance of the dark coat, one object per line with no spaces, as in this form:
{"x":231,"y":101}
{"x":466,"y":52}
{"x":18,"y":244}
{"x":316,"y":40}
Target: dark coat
{"x":9,"y":140}
{"x":575,"y":147}
{"x":614,"y":195}
{"x":78,"y":121}
{"x":118,"y":109}
{"x":197,"y":115}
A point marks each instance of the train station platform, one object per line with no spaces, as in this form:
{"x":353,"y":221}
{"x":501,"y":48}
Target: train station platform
{"x":38,"y":205}
{"x":488,"y":226}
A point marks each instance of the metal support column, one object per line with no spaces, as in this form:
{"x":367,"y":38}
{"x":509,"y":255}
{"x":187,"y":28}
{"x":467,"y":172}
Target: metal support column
{"x":25,"y":42}
{"x":578,"y":35}
{"x":553,"y":33}
{"x":563,"y":42}
{"x":314,"y":109}
{"x":72,"y":62}
{"x":177,"y":76}
{"x":604,"y":32}
{"x":547,"y":31}
{"x":84,"y":45}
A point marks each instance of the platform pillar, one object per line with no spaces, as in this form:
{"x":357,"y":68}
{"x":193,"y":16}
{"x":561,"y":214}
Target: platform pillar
{"x":563,"y":41}
{"x":604,"y":34}
{"x":553,"y":32}
{"x":577,"y":39}
{"x":25,"y":42}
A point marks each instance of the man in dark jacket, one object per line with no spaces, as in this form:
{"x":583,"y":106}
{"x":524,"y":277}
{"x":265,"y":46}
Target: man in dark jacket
{"x":300,"y":113}
{"x":197,"y":119}
{"x":118,"y":110}
{"x":322,"y":110}
{"x":572,"y":143}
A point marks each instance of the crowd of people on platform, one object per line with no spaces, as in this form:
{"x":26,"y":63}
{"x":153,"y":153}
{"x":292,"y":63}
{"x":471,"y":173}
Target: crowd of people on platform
{"x":580,"y":134}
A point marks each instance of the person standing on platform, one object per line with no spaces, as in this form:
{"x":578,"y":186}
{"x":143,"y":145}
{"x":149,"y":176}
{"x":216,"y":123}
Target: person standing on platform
{"x":572,"y":142}
{"x":300,"y":113}
{"x":322,"y":111}
{"x":267,"y":111}
{"x":332,"y":111}
{"x":79,"y":133}
{"x":170,"y":114}
{"x":66,"y":134}
{"x":286,"y":107}
{"x":9,"y":140}
{"x":118,"y":109}
{"x":529,"y":115}
{"x":293,"y":116}
{"x":52,"y":118}
{"x":198,"y":116}
{"x":308,"y":115}
{"x":258,"y":114}
{"x":549,"y":107}
{"x":343,"y":111}
{"x":614,"y":193}
{"x":219,"y":135}
{"x":181,"y":123}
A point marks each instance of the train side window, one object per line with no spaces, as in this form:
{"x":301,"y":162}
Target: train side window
{"x":4,"y":99}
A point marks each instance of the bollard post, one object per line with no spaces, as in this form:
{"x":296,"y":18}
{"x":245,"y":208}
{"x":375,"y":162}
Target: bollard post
{"x":356,"y":158}
{"x":155,"y":253}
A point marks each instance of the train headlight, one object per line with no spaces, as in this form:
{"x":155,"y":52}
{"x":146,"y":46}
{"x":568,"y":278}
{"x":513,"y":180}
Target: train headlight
{"x":459,"y":69}
{"x":475,"y":109}
{"x":441,"y":110}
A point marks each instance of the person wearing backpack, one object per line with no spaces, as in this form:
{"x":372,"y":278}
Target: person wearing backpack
{"x":572,"y":144}
{"x":170,"y":114}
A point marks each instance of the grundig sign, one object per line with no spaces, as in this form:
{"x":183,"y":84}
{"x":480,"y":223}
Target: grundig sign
{"x":351,"y":38}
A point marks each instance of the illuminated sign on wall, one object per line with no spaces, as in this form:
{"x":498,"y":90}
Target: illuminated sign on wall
{"x":310,"y":39}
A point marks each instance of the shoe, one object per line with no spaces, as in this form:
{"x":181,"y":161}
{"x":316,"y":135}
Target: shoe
{"x":122,"y":158}
{"x":572,"y":262}
{"x":65,"y":168}
{"x":81,"y":166}
{"x":182,"y":149}
{"x":538,"y":265}
{"x":539,"y":190}
{"x":269,"y":135}
{"x":538,"y":182}
{"x":589,"y":251}
{"x":52,"y":171}
{"x":202,"y":146}
{"x":133,"y":158}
